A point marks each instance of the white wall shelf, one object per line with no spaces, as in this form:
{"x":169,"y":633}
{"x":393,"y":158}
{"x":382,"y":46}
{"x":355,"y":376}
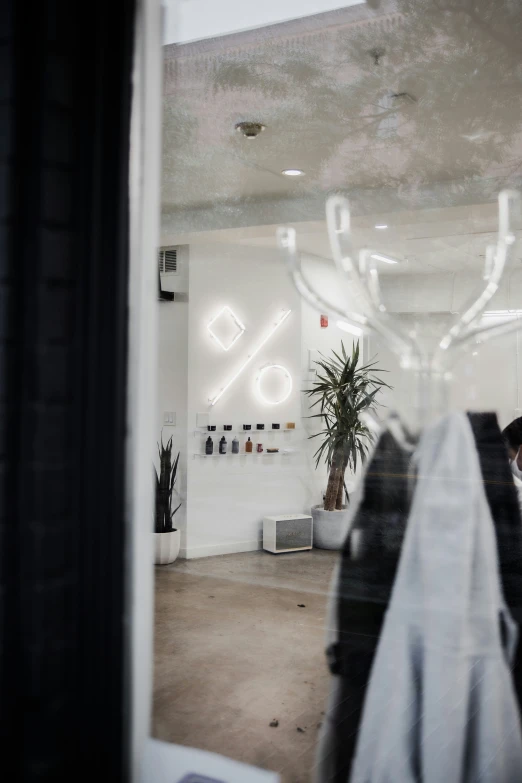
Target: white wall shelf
{"x":284,"y":453}
{"x":239,"y":432}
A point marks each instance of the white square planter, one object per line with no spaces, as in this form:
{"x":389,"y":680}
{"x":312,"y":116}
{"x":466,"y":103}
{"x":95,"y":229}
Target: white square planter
{"x":166,"y":547}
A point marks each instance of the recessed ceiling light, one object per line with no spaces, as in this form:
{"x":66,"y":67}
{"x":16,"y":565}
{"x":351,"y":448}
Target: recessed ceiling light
{"x":381,"y":226}
{"x":293,"y":173}
{"x":386,"y":259}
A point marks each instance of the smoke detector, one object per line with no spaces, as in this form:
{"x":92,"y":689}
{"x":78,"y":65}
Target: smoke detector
{"x":250,"y":130}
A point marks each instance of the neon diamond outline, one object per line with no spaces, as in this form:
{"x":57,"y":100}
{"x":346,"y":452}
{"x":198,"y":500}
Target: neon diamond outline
{"x":236,"y":320}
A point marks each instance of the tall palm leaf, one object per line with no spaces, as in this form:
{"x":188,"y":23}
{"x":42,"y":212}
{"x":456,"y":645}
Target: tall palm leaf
{"x":342,"y":391}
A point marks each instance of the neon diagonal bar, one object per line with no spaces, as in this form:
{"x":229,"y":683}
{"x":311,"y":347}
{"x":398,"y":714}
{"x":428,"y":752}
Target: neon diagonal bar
{"x":254,"y":353}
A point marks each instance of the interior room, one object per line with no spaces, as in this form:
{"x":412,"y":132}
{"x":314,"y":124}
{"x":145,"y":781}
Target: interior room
{"x":412,"y":112}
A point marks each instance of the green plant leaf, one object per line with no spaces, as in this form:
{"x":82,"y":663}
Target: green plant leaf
{"x":340,"y":393}
{"x":165,"y":480}
{"x":174,"y":473}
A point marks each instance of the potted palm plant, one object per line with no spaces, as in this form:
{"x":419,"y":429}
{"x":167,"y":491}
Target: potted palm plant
{"x":343,"y":391}
{"x":167,"y":537}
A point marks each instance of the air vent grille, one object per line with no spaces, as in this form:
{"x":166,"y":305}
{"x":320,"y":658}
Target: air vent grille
{"x":168,"y":260}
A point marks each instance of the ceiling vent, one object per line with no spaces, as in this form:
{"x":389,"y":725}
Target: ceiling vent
{"x":168,"y":261}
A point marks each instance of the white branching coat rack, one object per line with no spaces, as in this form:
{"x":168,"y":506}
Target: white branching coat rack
{"x":358,"y":278}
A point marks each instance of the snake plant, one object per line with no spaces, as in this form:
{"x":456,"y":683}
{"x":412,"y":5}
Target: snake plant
{"x":165,"y":482}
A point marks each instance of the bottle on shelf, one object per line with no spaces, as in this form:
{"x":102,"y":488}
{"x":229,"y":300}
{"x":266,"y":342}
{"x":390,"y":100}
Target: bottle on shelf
{"x":209,"y":446}
{"x":248,"y":446}
{"x":223,"y":446}
{"x":259,"y":448}
{"x":235,"y":445}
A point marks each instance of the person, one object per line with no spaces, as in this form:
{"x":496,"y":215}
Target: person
{"x":512,"y":435}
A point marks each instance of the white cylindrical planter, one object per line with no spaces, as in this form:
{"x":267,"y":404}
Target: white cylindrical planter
{"x":330,"y":527}
{"x":166,"y":547}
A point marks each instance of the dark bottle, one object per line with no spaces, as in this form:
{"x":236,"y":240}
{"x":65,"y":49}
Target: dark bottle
{"x":223,"y":446}
{"x":248,"y":446}
{"x":235,"y":446}
{"x":209,"y":446}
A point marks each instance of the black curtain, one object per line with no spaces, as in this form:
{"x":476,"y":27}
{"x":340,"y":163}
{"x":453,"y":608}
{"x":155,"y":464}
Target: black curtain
{"x":65,"y":92}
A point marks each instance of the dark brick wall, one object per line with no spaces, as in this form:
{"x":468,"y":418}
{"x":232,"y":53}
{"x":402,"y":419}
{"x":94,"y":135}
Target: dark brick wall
{"x":64,"y":126}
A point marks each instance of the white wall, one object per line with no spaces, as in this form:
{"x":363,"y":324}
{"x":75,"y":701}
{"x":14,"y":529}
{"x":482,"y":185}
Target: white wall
{"x":191,"y":20}
{"x":224,"y":500}
{"x":487,"y":377}
{"x":229,"y":497}
{"x":172,"y":388}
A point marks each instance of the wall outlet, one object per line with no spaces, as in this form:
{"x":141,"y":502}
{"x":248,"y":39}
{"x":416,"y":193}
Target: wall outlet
{"x":169,"y":418}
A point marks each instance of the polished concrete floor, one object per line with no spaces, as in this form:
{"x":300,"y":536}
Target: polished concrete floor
{"x":235,"y":652}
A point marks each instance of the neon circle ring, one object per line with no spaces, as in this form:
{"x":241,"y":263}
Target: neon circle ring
{"x":287,"y":391}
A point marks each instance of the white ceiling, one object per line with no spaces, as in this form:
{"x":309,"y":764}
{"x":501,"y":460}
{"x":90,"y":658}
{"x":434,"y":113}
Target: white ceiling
{"x":431,"y":241}
{"x":193,"y":20}
{"x":429,"y":167}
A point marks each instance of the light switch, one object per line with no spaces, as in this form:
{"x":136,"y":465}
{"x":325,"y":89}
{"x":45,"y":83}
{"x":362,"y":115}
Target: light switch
{"x":169,"y":418}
